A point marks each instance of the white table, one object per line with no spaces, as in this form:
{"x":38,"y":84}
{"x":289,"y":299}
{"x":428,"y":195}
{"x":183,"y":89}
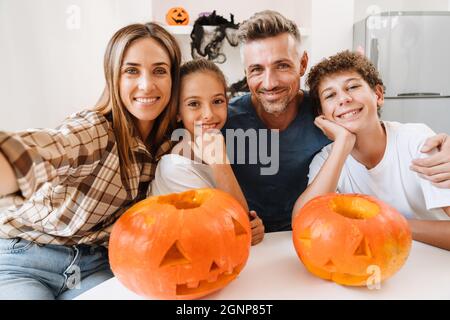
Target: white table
{"x":274,"y":272}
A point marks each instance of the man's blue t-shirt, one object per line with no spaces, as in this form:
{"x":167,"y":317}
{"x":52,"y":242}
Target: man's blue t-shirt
{"x":272,"y":191}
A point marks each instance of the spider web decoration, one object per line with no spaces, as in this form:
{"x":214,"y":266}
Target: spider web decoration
{"x":209,"y":32}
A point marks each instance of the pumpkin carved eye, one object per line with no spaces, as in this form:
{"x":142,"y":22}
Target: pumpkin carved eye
{"x":239,"y":230}
{"x":363,"y":249}
{"x":330,"y":266}
{"x":338,"y":237}
{"x":174,"y":256}
{"x":214,"y":267}
{"x":181,"y":246}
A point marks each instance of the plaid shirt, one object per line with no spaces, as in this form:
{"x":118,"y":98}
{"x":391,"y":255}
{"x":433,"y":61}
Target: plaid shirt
{"x":71,"y":190}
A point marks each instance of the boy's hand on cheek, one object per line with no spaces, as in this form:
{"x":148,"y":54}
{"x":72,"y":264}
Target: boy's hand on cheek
{"x":333,"y":131}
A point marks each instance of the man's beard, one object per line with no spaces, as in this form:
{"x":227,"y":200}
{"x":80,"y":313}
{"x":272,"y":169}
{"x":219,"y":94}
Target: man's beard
{"x":275,"y":107}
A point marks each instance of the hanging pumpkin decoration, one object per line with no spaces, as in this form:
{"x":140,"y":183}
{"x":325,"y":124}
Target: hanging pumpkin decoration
{"x":349,"y":238}
{"x":180,"y":246}
{"x":177,"y":16}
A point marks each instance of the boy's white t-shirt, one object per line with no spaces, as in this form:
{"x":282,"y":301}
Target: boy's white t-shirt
{"x":391,"y":180}
{"x":175,"y":173}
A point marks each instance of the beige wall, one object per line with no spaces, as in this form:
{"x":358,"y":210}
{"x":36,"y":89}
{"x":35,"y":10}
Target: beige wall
{"x":298,"y":10}
{"x":51,"y":68}
{"x":51,"y":56}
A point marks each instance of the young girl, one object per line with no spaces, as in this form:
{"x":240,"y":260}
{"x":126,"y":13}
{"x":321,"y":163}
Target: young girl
{"x":370,"y":156}
{"x":67,"y":186}
{"x":199,"y":160}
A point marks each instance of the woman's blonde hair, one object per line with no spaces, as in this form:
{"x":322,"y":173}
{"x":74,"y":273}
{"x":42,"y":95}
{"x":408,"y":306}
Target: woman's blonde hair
{"x":110,"y":102}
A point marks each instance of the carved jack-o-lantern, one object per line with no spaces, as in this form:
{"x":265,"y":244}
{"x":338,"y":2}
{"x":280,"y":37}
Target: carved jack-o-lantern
{"x":180,"y":246}
{"x":177,"y":16}
{"x":351,"y":239}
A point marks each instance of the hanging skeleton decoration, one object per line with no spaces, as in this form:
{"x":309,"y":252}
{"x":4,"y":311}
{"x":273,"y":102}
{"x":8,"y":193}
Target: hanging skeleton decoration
{"x":238,"y":88}
{"x":208,"y":34}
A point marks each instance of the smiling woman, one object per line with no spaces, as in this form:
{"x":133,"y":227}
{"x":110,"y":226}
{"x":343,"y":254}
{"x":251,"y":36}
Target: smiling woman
{"x":145,"y":83}
{"x":150,"y":76}
{"x":64,"y":188}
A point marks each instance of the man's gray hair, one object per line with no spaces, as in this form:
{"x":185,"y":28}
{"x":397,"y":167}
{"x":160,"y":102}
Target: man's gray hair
{"x":267,"y":24}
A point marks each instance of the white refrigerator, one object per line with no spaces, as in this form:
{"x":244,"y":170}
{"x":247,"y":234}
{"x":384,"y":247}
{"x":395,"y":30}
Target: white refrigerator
{"x":412,"y":53}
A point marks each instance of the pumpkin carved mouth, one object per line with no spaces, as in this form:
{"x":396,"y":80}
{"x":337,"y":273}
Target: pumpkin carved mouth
{"x":178,"y":21}
{"x":215,"y":280}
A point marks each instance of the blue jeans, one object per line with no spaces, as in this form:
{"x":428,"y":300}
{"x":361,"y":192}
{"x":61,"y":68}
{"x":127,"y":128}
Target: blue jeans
{"x":32,"y":271}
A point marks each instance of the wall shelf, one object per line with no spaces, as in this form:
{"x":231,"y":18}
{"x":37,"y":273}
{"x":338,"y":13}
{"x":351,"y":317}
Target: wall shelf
{"x":186,"y":30}
{"x":179,"y":29}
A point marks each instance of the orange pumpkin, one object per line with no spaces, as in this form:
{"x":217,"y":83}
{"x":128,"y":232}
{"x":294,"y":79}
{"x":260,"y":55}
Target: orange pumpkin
{"x":180,"y":246}
{"x":177,"y":16}
{"x":344,"y":237}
